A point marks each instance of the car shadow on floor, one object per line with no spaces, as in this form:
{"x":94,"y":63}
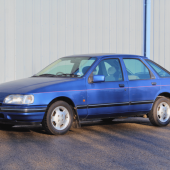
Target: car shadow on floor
{"x":22,"y":128}
{"x":92,"y":123}
{"x":141,"y":121}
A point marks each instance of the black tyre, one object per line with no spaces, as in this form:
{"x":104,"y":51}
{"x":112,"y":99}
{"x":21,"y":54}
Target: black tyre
{"x":58,"y":119}
{"x":160,"y":113}
{"x":108,"y":120}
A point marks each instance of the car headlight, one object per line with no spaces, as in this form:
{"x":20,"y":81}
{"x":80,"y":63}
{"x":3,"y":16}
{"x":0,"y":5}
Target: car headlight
{"x":19,"y":99}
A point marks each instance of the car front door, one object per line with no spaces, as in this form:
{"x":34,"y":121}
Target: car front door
{"x":143,"y":86}
{"x":111,"y":97}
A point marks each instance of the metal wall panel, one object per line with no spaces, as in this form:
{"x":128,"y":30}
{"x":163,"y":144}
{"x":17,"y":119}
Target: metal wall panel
{"x":7,"y":40}
{"x":160,"y":34}
{"x":34,"y":33}
{"x":2,"y":41}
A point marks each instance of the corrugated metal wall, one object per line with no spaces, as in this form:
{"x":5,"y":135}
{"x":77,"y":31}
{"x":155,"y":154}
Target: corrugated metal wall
{"x":33,"y":33}
{"x":160,"y":32}
{"x":7,"y":40}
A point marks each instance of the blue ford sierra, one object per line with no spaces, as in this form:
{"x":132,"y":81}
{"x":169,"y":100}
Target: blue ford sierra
{"x":84,"y":87}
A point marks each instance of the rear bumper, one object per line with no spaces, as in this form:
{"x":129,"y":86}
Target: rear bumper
{"x":20,"y":115}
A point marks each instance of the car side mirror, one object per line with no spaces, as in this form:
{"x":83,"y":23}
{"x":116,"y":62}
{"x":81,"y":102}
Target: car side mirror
{"x":98,"y":78}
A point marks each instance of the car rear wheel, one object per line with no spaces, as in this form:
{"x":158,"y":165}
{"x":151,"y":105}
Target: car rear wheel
{"x":160,"y":113}
{"x":58,"y":119}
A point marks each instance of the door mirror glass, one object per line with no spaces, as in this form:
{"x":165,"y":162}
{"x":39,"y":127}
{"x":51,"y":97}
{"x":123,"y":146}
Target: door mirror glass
{"x":98,"y":78}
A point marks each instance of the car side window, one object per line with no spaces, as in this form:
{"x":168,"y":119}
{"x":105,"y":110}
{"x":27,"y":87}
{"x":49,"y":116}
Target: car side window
{"x":110,"y":68}
{"x":161,"y":72}
{"x":136,"y":70}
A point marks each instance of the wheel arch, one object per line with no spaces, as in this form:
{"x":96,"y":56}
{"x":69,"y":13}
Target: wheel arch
{"x":163,"y":94}
{"x":63,"y":98}
{"x":76,"y":122}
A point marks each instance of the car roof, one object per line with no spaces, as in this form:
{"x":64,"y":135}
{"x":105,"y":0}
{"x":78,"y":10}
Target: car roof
{"x":99,"y":55}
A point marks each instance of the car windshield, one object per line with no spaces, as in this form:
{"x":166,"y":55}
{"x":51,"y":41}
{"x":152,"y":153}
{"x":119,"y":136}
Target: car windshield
{"x":68,"y":67}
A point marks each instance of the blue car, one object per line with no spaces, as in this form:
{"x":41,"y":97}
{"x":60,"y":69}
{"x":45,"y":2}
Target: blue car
{"x":90,"y":86}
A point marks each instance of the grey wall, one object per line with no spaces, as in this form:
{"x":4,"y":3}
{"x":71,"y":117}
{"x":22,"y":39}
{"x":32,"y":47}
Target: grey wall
{"x":160,"y":32}
{"x":34,"y":33}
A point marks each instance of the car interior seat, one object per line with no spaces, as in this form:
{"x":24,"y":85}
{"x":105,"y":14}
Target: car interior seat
{"x":111,"y":72}
{"x":95,"y":71}
{"x":84,"y":70}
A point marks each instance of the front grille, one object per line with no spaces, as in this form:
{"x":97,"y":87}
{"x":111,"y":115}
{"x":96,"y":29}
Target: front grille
{"x":1,"y":115}
{"x":0,"y":104}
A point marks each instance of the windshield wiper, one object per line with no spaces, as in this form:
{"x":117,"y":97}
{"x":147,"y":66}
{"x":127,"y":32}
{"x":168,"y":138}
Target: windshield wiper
{"x":71,"y":75}
{"x":52,"y":75}
{"x":45,"y":75}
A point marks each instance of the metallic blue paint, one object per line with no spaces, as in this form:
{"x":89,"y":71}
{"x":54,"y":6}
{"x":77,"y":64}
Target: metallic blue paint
{"x":98,"y":78}
{"x":107,"y":92}
{"x":92,"y":100}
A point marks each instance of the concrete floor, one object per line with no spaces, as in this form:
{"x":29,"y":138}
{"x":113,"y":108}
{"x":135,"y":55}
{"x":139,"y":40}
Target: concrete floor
{"x":131,"y":143}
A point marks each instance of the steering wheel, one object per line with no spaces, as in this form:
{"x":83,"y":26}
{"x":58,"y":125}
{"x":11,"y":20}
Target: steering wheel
{"x":59,"y":73}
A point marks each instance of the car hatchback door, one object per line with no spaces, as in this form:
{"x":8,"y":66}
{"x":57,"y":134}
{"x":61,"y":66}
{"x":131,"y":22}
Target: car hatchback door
{"x":111,"y":97}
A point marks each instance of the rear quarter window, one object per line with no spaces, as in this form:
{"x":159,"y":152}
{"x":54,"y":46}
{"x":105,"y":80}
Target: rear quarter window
{"x":158,"y":69}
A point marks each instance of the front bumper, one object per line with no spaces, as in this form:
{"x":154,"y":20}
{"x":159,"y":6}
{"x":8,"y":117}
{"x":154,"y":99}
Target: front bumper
{"x":22,"y":115}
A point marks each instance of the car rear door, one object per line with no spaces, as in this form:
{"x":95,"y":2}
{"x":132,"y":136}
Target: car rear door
{"x":143,"y":86}
{"x":109,"y":98}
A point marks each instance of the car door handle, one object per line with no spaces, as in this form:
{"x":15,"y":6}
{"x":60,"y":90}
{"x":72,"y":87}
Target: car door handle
{"x":153,"y":83}
{"x":121,"y":85}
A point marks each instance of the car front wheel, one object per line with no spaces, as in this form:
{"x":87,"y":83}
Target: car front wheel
{"x":58,"y":119}
{"x":160,"y":113}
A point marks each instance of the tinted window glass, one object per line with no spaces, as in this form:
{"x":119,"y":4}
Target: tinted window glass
{"x":110,"y":68}
{"x":158,"y":69}
{"x":66,"y":66}
{"x":136,"y":69}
